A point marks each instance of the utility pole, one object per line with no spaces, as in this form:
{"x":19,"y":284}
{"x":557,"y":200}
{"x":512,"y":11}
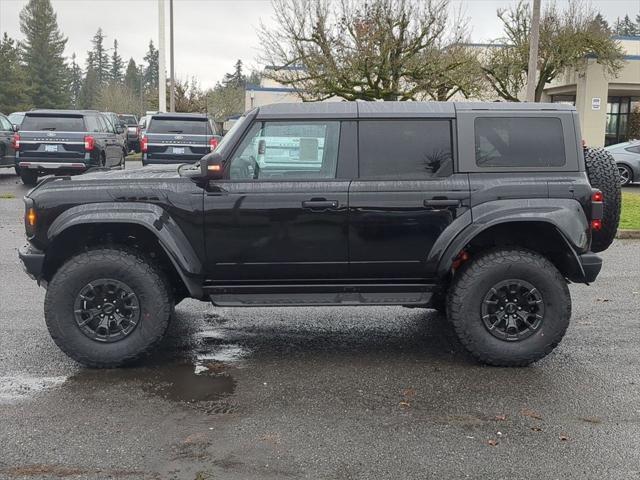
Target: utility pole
{"x":172,"y":85}
{"x":162,"y":73}
{"x":533,"y":51}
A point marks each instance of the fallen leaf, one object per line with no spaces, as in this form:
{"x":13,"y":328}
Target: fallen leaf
{"x":530,"y":413}
{"x":405,"y":404}
{"x":492,"y":442}
{"x":408,"y":392}
{"x":500,"y":417}
{"x":563,"y":438}
{"x":536,"y":429}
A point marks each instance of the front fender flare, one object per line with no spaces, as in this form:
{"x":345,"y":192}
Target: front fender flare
{"x":154,"y":218}
{"x":565,"y":215}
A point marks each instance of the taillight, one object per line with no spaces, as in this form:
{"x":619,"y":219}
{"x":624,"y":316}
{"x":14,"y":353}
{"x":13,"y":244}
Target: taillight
{"x":89,"y":143}
{"x":213,"y":143}
{"x":15,"y":141}
{"x":597,"y":210}
{"x":596,"y":224}
{"x":144,"y":144}
{"x":597,"y":196}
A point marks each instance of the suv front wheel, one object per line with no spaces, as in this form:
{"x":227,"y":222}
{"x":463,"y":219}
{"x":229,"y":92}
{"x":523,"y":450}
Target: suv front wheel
{"x":107,"y":307}
{"x":509,"y":307}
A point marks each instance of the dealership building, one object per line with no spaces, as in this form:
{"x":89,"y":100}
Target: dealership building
{"x":604,"y":103}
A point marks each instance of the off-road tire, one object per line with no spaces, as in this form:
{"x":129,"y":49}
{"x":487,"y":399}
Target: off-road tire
{"x":28,"y":177}
{"x":476,"y":278}
{"x":135,"y":270}
{"x":603,"y":174}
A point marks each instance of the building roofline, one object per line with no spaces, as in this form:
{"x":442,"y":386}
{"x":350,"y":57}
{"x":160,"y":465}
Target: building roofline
{"x":258,"y":88}
{"x":626,"y":37}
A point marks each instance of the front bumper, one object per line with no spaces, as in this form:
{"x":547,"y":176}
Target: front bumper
{"x":32,"y":261}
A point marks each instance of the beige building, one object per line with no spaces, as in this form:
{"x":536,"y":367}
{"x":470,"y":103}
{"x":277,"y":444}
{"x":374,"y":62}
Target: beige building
{"x":603,"y":103}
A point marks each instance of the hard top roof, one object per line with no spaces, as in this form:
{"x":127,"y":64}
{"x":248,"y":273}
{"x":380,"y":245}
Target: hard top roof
{"x":176,"y":115}
{"x":394,"y":109}
{"x":51,"y":111}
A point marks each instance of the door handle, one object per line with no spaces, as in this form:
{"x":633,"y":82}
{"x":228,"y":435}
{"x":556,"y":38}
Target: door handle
{"x":442,"y":202}
{"x":320,"y":204}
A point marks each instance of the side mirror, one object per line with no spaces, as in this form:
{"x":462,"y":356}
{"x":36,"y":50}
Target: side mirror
{"x":119,"y":129}
{"x":212,"y":166}
{"x":15,"y":127}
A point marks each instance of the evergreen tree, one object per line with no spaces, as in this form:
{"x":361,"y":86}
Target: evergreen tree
{"x":13,"y":82}
{"x":235,"y":79}
{"x":626,"y":27}
{"x":98,"y":58}
{"x":42,"y":53}
{"x":116,"y":65}
{"x":132,"y":77}
{"x":601,"y":23}
{"x":90,"y":90}
{"x":75,"y":81}
{"x":151,"y":70}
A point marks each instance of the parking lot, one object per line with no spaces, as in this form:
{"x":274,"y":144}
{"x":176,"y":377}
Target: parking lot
{"x":337,"y":393}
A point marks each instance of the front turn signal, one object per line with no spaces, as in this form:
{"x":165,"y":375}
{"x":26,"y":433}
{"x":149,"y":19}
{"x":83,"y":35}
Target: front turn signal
{"x":31,"y":217}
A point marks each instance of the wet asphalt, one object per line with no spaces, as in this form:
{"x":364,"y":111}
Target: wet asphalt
{"x":320,"y":393}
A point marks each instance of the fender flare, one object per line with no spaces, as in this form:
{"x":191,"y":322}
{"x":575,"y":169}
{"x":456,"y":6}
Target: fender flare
{"x":150,"y":216}
{"x":565,"y":215}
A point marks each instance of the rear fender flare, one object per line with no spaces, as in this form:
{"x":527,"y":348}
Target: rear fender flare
{"x":565,"y":215}
{"x":154,"y":218}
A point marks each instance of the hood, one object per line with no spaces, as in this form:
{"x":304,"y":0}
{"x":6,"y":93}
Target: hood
{"x":150,"y":172}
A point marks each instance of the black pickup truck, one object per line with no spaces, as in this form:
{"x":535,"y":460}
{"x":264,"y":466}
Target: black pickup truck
{"x":177,"y":138}
{"x":65,"y":142}
{"x":483,"y":211}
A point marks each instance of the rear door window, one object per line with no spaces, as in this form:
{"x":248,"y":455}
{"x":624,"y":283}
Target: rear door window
{"x":180,"y":126}
{"x":53,"y":123}
{"x":405,"y":149}
{"x":519,"y":142}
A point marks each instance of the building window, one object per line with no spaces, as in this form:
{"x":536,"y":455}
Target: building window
{"x":618,"y":111}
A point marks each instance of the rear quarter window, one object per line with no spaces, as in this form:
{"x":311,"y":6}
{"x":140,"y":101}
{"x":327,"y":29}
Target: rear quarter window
{"x":519,"y":142}
{"x":59,"y":123}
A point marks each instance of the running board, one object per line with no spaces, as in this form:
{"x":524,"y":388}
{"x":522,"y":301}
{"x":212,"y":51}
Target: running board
{"x":317,"y":295}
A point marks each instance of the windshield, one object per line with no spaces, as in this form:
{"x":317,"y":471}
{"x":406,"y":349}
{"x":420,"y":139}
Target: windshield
{"x":16,"y":118}
{"x":128,"y":119}
{"x":60,"y":123}
{"x":187,"y":126}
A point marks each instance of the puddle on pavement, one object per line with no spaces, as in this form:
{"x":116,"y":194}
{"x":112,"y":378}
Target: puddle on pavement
{"x":22,"y":387}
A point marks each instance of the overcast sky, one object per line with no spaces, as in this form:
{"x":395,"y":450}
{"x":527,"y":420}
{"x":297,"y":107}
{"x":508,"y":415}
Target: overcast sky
{"x":210,"y":35}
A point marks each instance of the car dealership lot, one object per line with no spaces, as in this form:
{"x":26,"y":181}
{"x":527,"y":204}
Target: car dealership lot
{"x":369,"y":392}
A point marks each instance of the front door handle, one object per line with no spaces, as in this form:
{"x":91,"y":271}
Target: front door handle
{"x":320,"y":204}
{"x":442,"y":202}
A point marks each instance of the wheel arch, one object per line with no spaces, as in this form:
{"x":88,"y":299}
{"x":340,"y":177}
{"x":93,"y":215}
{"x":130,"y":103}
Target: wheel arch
{"x":136,"y":225}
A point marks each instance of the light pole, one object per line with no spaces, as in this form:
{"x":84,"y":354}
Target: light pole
{"x":162,"y":72}
{"x":533,"y":51}
{"x":172,"y":86}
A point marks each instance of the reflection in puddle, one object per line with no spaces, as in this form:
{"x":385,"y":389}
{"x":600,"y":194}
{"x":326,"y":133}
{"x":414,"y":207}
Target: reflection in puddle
{"x":176,"y":382}
{"x":22,"y":387}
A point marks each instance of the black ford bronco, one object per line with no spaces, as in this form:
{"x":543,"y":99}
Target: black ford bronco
{"x":485,"y":211}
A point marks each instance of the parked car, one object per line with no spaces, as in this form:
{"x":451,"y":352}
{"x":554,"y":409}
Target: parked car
{"x":133,"y":131}
{"x":16,"y":118}
{"x":486,"y":211}
{"x":627,"y":157}
{"x":142,"y":124}
{"x":177,"y":138}
{"x":7,"y":150}
{"x":119,"y":127}
{"x":65,"y":142}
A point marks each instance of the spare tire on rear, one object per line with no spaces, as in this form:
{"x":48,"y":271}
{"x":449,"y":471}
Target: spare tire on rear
{"x":603,"y":175}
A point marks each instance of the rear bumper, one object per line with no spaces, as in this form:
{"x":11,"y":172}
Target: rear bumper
{"x":43,"y":165}
{"x":170,"y":161}
{"x":32,"y":261}
{"x":591,"y":266}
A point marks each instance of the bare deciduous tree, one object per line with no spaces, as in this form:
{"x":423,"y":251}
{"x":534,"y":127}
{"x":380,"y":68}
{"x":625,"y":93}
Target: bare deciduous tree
{"x":381,"y":49}
{"x":567,"y":39}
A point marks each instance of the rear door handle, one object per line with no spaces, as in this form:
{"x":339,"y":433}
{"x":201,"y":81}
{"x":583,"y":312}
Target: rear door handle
{"x":442,"y":202}
{"x":320,"y":204}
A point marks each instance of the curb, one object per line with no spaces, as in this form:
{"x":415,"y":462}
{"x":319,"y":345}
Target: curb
{"x":628,"y":234}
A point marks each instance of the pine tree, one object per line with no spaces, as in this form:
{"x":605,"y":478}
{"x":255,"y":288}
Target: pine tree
{"x":42,"y":53}
{"x":75,"y":81}
{"x":626,"y":27}
{"x":13,"y":84}
{"x":151,"y":73}
{"x":100,"y":61}
{"x":116,"y":65}
{"x":235,"y":79}
{"x":601,"y":23}
{"x":132,"y":78}
{"x":90,"y":89}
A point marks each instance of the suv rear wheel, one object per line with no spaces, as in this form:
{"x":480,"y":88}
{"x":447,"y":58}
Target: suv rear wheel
{"x":107,"y":307}
{"x":509,"y":307}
